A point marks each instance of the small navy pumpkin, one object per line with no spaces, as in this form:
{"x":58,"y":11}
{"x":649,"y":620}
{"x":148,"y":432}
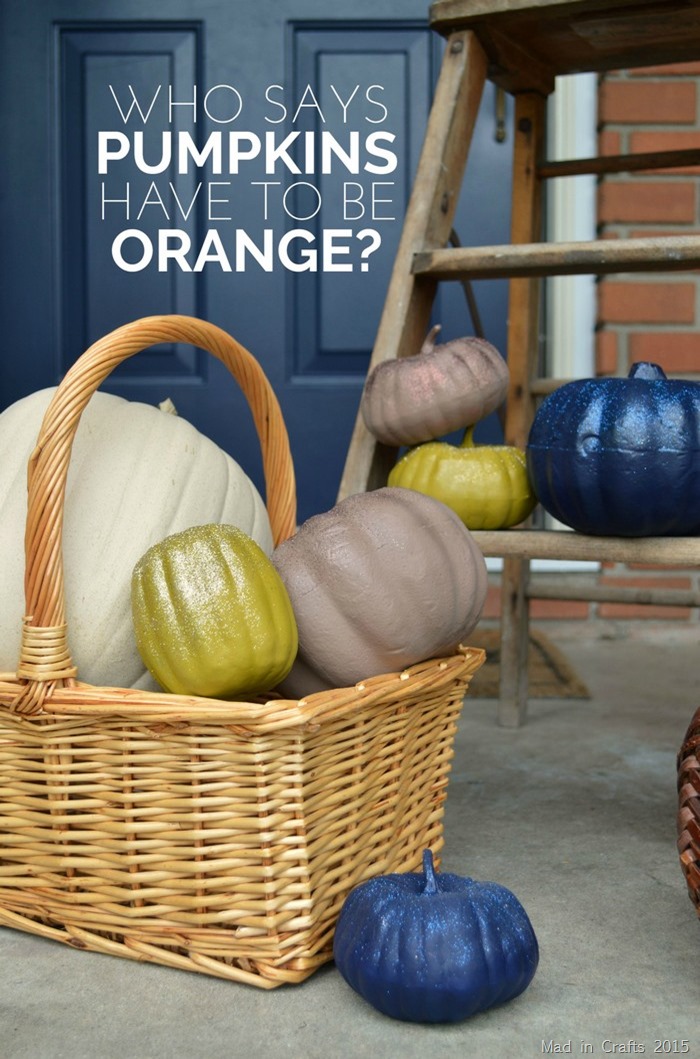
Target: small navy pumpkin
{"x":620,"y":456}
{"x":429,"y":947}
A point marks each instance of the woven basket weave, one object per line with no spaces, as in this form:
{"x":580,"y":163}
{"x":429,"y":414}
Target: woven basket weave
{"x":218,"y":837}
{"x":689,"y":809}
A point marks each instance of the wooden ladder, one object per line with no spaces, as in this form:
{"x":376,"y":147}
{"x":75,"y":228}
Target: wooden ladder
{"x":522,"y":47}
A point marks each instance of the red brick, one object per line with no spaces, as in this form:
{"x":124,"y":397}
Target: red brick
{"x":652,"y":102}
{"x":647,"y":201}
{"x":676,"y":351}
{"x":650,"y":303}
{"x":638,"y":581}
{"x":568,"y":609}
{"x":645,"y":576}
{"x":691,"y":69}
{"x":492,"y":606}
{"x":609,"y":142}
{"x":625,"y":611}
{"x":605,"y":353}
{"x":561,"y":609}
{"x":650,"y":567}
{"x":643,"y":142}
{"x":660,"y":233}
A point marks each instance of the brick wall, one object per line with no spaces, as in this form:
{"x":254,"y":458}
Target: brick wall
{"x":651,"y":316}
{"x":645,"y":316}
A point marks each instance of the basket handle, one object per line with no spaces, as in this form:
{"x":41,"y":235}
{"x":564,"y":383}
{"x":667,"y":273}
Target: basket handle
{"x":45,"y":659}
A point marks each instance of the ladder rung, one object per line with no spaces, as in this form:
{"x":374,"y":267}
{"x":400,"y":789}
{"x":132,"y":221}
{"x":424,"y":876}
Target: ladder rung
{"x":620,"y":163}
{"x":563,"y":544}
{"x":562,"y":586}
{"x":560,"y":259}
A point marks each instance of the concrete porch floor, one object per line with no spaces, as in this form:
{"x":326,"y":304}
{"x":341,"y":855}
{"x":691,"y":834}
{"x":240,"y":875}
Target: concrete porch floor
{"x":575,"y":813}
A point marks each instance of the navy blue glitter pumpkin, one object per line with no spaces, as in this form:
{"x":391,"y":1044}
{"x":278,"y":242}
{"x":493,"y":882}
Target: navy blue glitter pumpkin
{"x":620,"y":457}
{"x":429,"y":947}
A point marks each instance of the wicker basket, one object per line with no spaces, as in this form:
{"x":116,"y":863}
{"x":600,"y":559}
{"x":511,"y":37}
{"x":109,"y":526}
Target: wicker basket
{"x":689,"y":809}
{"x":219,"y":837}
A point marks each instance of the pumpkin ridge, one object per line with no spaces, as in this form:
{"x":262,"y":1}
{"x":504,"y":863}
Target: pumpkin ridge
{"x":241,"y":643}
{"x":488,"y":913}
{"x":193,"y":473}
{"x":385,"y":579}
{"x":275,"y":613}
{"x":110,"y":630}
{"x":365,"y":620}
{"x":219,"y":516}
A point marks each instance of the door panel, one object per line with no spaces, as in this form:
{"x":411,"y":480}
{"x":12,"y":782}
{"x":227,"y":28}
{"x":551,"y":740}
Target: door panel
{"x":330,"y":337}
{"x":96,"y":295}
{"x":369,"y":68}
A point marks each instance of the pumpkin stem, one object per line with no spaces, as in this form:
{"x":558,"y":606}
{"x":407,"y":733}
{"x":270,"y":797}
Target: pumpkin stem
{"x":431,"y":886}
{"x":468,"y":439}
{"x":429,"y":340}
{"x":644,"y":369}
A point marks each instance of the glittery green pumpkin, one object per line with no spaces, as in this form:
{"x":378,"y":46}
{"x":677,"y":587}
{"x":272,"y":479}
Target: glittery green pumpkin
{"x":211,"y":614}
{"x":486,"y":485}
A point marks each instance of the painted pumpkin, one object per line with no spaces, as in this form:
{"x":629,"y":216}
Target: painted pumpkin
{"x":486,"y":485}
{"x":443,"y":388}
{"x":429,"y":947}
{"x":620,"y":456}
{"x":211,"y":614}
{"x":383,"y":580}
{"x":136,"y":475}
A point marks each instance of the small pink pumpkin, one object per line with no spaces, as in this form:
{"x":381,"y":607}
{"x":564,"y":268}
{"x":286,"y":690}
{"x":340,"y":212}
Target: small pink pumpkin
{"x":381,"y":581}
{"x":443,"y":388}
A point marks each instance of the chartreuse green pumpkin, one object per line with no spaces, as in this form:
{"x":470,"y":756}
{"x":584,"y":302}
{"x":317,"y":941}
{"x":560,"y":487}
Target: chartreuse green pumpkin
{"x":486,"y":485}
{"x":211,"y":614}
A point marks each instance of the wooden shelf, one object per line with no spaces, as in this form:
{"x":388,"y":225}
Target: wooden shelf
{"x":530,"y":42}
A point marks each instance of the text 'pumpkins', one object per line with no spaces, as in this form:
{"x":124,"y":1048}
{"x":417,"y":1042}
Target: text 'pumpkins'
{"x":381,"y":581}
{"x":137,"y":474}
{"x":211,"y":614}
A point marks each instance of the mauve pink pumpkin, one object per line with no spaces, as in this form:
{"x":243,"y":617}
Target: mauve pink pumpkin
{"x":443,"y":388}
{"x":383,"y":580}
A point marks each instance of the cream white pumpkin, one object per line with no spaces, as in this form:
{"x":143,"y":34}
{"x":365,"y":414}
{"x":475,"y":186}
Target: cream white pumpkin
{"x":137,"y":474}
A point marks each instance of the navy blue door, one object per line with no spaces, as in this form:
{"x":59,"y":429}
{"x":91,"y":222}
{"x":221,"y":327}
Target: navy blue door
{"x":248,"y":163}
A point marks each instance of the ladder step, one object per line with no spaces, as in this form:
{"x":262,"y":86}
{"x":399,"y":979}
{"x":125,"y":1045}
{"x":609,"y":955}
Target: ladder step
{"x":560,"y":259}
{"x":620,"y":163}
{"x":564,"y":544}
{"x":563,"y":586}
